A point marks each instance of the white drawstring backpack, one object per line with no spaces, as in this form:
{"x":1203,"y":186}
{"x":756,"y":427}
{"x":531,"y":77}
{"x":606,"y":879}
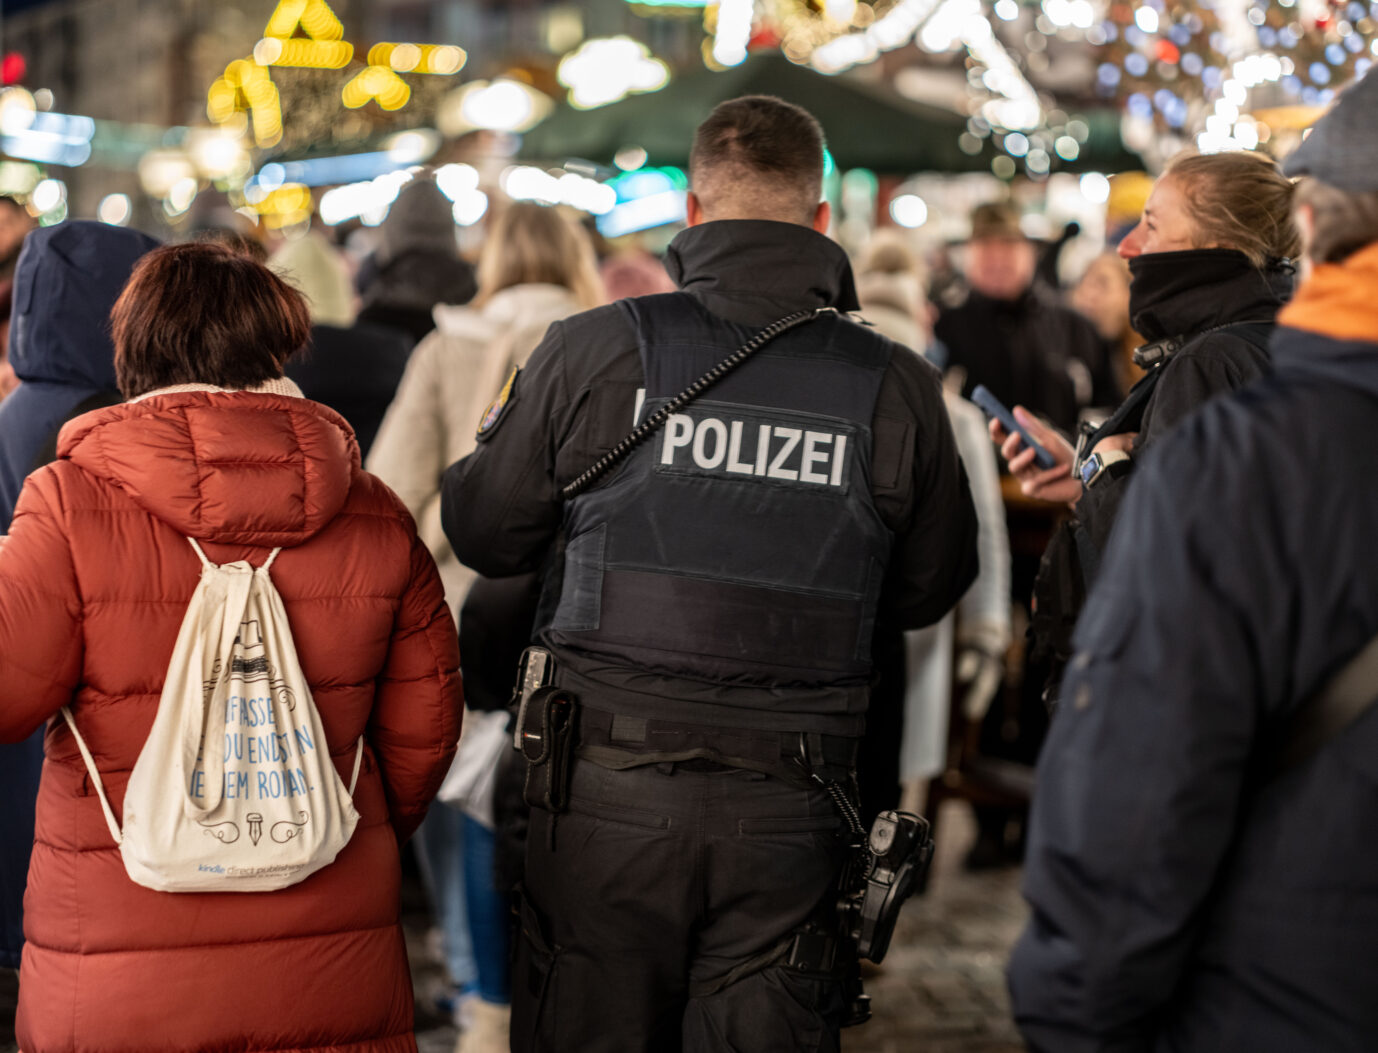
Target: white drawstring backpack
{"x":234,"y":791}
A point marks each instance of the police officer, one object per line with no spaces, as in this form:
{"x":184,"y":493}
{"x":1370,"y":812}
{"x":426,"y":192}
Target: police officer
{"x":710,"y":603}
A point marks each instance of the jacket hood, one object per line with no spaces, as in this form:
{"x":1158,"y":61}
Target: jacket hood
{"x":67,"y":280}
{"x":898,"y":290}
{"x":1301,"y":354}
{"x":891,"y":303}
{"x":524,"y":305}
{"x":1183,"y":293}
{"x":753,"y":271}
{"x":897,"y":325}
{"x":1330,"y":329}
{"x":237,"y":468}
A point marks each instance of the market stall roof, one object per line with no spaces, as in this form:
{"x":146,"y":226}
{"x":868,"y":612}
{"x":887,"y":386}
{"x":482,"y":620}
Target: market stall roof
{"x":867,"y":125}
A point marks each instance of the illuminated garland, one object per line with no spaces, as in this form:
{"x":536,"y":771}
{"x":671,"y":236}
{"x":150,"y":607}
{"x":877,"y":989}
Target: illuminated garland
{"x":1189,"y":66}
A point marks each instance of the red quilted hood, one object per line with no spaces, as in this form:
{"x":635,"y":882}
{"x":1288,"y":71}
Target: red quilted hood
{"x":230,"y":467}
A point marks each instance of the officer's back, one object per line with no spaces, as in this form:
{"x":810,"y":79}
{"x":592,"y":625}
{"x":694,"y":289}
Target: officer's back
{"x":709,"y":605}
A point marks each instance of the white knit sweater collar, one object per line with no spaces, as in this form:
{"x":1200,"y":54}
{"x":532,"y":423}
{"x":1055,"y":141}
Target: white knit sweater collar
{"x":277,"y":386}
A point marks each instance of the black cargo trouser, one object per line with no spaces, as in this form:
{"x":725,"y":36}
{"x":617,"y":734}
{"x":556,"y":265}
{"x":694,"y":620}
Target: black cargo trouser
{"x":661,"y":879}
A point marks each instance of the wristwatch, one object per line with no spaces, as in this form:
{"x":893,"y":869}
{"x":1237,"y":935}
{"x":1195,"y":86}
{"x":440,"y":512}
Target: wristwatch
{"x":1112,"y":463}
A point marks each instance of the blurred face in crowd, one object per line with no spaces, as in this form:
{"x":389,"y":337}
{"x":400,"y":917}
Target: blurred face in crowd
{"x":1001,"y":268}
{"x":1166,"y":225}
{"x":15,"y":223}
{"x":1102,"y":295}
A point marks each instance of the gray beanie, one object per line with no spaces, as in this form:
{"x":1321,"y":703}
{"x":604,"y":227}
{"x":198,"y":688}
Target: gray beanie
{"x":422,"y":218}
{"x":1342,"y":149}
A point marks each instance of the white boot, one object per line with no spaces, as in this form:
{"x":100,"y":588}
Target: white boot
{"x":488,"y":1028}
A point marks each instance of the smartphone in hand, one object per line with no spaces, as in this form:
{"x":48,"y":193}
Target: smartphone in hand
{"x":993,"y":407}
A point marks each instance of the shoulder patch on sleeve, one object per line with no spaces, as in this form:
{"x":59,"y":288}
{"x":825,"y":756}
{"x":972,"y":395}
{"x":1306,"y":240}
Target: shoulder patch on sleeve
{"x":497,"y":409}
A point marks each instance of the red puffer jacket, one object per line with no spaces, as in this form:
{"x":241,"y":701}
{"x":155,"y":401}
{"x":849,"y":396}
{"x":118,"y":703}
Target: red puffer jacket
{"x":94,"y":581}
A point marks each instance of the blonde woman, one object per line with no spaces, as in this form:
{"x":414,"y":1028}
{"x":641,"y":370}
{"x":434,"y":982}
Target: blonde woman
{"x":1210,"y":264}
{"x":536,"y":268}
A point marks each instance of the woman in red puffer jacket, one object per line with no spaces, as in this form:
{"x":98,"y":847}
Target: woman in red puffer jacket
{"x":95,"y":578}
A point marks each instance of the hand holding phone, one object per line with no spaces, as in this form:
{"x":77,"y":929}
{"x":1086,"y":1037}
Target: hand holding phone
{"x":993,"y":407}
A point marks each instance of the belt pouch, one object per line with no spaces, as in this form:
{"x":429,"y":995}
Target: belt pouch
{"x":547,"y":742}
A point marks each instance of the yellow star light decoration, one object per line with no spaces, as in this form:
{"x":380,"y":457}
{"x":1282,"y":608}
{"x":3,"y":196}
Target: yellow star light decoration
{"x":380,"y":83}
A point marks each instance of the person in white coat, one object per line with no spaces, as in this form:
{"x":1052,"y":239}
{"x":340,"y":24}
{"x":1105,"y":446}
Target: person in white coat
{"x":890,"y":288}
{"x":537,"y":267}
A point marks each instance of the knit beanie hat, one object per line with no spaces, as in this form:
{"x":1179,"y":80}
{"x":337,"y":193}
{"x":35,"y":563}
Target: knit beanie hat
{"x":421,"y":219}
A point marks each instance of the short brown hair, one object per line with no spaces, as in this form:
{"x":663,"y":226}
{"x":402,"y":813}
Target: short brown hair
{"x":1342,"y":222}
{"x":758,"y":157}
{"x":1239,"y":200}
{"x":233,"y":240}
{"x":203,"y":314}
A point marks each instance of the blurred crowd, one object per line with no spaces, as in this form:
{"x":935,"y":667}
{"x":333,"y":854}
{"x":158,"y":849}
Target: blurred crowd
{"x":411,"y":343}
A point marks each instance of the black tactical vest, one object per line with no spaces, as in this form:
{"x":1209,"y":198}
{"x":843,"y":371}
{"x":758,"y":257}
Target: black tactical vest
{"x":740,"y":545}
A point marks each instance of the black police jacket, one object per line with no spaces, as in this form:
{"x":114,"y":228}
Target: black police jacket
{"x":577,"y":397}
{"x":1185,"y":899}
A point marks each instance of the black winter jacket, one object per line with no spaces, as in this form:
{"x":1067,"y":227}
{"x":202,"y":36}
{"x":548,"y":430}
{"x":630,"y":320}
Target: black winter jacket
{"x":576,"y":398}
{"x":1183,"y":901}
{"x":1189,"y":296}
{"x":355,"y":371}
{"x":1029,"y":352}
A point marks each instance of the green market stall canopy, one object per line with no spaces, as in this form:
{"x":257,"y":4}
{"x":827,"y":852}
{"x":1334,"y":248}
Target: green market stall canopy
{"x":867,"y":125}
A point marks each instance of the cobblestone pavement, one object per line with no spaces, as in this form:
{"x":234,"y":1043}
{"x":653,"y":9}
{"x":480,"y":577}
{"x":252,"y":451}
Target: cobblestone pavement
{"x":942,"y":986}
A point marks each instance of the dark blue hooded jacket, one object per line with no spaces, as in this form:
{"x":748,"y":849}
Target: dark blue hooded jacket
{"x":67,"y":280}
{"x":1186,"y":898}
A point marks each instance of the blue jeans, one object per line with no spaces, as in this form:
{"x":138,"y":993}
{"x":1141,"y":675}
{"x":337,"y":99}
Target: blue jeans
{"x":489,"y":917}
{"x":440,"y":851}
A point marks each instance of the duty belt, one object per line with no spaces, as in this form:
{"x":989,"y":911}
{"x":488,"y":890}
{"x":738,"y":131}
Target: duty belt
{"x":614,"y":740}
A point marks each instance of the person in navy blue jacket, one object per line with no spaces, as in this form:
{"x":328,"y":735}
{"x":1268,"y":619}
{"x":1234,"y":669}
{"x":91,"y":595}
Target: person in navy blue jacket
{"x":67,"y":279}
{"x":1190,"y":891}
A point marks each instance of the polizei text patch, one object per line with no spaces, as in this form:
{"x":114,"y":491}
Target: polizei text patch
{"x":809,"y":452}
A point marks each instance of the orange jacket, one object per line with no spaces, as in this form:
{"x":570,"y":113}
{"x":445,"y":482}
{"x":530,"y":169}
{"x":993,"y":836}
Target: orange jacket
{"x":95,"y":577}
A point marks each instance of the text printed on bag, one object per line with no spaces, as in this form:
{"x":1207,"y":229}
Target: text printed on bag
{"x":256,"y":750}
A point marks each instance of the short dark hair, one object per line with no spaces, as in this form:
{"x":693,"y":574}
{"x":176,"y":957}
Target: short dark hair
{"x":758,"y":157}
{"x":203,"y":314}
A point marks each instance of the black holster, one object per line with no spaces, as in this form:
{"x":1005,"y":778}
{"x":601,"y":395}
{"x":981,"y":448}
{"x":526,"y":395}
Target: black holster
{"x":547,"y":736}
